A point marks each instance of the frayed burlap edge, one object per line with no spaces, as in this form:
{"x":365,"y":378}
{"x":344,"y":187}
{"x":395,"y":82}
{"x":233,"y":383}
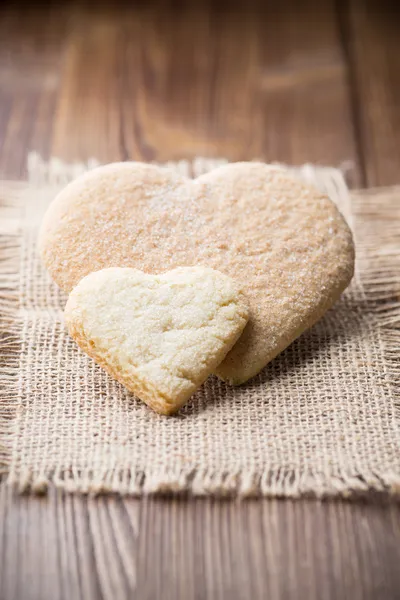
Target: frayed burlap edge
{"x":378,"y":246}
{"x":57,"y":173}
{"x":376,"y":214}
{"x":11,"y":207}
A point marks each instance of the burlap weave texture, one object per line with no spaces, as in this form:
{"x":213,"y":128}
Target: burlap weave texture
{"x":322,"y":419}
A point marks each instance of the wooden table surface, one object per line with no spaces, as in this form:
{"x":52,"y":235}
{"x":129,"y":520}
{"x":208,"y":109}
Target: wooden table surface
{"x":313,"y":81}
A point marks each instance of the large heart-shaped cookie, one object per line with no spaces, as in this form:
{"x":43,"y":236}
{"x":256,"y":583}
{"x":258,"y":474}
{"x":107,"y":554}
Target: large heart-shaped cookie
{"x":159,"y":335}
{"x":284,"y":241}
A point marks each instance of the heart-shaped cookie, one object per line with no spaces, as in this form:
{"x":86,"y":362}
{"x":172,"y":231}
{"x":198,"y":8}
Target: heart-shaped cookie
{"x":284,"y":241}
{"x":159,"y":335}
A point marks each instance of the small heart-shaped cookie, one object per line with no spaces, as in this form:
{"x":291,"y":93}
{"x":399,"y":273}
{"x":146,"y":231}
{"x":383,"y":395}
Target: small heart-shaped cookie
{"x":159,"y":335}
{"x":283,"y":241}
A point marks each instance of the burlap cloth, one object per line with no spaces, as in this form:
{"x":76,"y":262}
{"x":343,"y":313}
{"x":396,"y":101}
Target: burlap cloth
{"x":322,"y":419}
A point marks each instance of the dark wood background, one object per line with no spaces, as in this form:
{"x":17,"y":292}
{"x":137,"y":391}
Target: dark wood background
{"x":297,"y":81}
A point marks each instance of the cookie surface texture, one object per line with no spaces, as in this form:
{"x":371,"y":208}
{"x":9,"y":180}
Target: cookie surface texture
{"x":284,"y":241}
{"x":159,"y":335}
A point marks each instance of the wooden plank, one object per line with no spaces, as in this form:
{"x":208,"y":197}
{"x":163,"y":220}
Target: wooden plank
{"x":268,"y":83}
{"x":66,"y":547}
{"x":160,"y":82}
{"x":304,"y":96}
{"x":373,"y":44}
{"x":82,"y":548}
{"x":31,"y":47}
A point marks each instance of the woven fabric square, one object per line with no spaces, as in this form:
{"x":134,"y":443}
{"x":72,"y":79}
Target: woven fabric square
{"x":322,"y":419}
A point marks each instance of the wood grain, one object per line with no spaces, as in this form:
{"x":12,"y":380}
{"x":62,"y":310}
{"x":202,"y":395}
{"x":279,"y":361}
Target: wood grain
{"x":31,"y":47}
{"x":157,"y":81}
{"x":305,"y":109}
{"x":89,"y":548}
{"x":372,"y":33}
{"x":307,"y":81}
